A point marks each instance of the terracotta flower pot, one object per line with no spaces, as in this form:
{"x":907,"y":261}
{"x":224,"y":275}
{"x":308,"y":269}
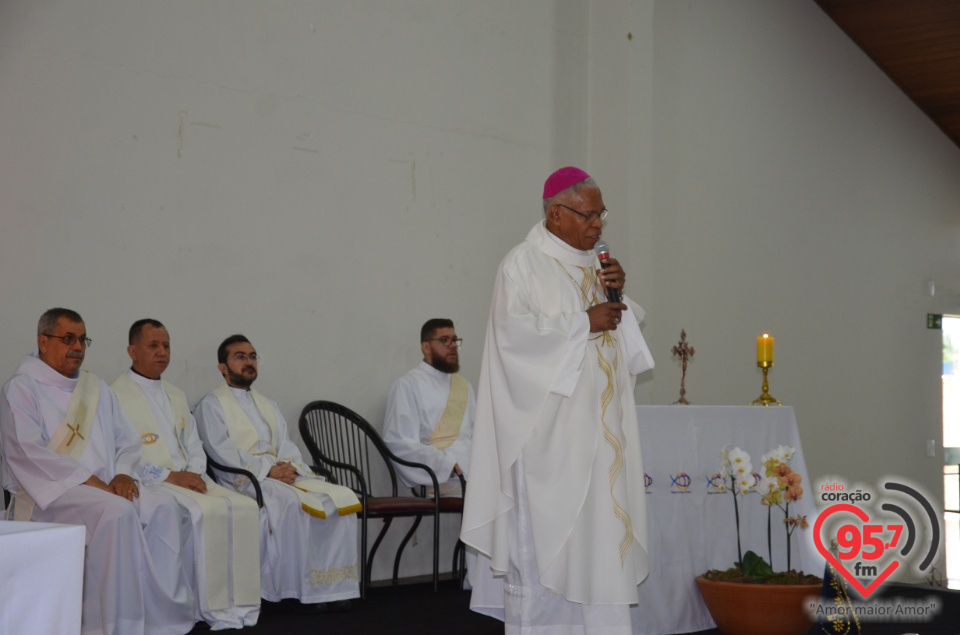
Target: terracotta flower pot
{"x":758,"y":609}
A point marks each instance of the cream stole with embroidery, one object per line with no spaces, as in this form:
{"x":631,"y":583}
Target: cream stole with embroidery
{"x":70,"y":439}
{"x":154,"y":449}
{"x":244,"y":522}
{"x":447,"y":430}
{"x":243,"y":433}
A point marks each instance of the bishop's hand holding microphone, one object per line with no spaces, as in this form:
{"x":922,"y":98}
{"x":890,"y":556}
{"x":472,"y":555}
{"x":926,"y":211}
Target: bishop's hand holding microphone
{"x":606,"y":316}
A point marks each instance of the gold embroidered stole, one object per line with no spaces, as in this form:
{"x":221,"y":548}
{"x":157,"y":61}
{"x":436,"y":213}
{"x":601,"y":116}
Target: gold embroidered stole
{"x":243,"y":433}
{"x":243,"y":520}
{"x":447,"y":430}
{"x":243,"y":555}
{"x":241,"y":430}
{"x":71,"y":437}
{"x":137,"y":408}
{"x":592,"y":293}
{"x":343,"y":497}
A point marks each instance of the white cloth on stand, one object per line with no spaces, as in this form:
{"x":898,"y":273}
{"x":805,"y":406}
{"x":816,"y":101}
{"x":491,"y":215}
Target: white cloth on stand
{"x":29,"y":551}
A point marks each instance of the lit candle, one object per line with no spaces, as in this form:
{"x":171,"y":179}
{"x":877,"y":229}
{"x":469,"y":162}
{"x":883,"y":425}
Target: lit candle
{"x":765,"y":349}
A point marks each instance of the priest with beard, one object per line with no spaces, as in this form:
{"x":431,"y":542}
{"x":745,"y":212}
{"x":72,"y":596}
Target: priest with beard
{"x":308,"y":552}
{"x":430,"y":411}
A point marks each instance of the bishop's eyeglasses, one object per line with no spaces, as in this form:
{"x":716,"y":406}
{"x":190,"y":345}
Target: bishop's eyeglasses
{"x":601,"y":215}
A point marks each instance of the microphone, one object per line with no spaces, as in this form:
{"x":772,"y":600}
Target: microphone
{"x":603,"y":253}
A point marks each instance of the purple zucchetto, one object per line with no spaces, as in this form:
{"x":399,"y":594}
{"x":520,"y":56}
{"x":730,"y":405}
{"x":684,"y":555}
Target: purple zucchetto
{"x":562,"y":179}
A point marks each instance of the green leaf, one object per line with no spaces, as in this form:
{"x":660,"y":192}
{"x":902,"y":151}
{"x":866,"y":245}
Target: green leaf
{"x":755,"y":566}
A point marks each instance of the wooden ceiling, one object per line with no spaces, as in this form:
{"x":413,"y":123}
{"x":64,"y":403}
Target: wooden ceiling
{"x":916,"y":43}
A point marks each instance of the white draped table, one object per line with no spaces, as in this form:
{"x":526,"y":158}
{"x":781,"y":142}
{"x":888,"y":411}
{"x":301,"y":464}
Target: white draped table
{"x":41,"y":577}
{"x":690,"y":523}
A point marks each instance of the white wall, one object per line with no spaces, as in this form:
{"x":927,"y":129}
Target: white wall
{"x":324,"y":176}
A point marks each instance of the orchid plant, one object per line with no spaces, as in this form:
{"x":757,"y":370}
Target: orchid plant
{"x":779,"y":486}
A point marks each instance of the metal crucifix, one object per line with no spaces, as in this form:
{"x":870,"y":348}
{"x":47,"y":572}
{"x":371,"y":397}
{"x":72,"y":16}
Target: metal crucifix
{"x":685,"y":352}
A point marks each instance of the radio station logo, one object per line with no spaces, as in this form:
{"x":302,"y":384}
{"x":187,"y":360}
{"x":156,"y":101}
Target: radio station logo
{"x":876,"y":533}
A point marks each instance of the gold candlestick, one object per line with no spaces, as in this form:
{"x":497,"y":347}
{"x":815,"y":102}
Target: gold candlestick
{"x":766,"y":398}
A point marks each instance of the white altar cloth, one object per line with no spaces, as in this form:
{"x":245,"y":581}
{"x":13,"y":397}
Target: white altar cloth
{"x":41,"y":577}
{"x":690,"y":524}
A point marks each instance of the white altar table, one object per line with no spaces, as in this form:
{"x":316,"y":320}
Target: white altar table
{"x":690,"y":524}
{"x":41,"y":577}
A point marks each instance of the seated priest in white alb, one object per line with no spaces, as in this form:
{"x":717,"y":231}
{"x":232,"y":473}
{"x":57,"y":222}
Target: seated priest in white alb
{"x":225,"y":570}
{"x":309,"y":552}
{"x":70,"y":457}
{"x":430,"y":411}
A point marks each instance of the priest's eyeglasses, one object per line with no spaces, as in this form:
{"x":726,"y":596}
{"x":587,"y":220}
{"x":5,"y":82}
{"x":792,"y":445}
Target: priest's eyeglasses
{"x":601,"y":215}
{"x":243,"y":358}
{"x":446,"y":340}
{"x":70,"y":339}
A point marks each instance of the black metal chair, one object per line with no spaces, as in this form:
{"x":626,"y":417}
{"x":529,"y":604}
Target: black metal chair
{"x":212,"y":466}
{"x":452,"y":505}
{"x":342,"y":442}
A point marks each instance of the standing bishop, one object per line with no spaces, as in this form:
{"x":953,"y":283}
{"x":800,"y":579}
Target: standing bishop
{"x":556,"y":495}
{"x":309,"y":551}
{"x":70,"y":457}
{"x":225,"y":570}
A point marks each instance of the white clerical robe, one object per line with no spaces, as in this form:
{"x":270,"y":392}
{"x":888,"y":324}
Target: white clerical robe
{"x":225,"y":569}
{"x":133,"y":579}
{"x":302,"y":556}
{"x":556,"y":495}
{"x":414,"y":407}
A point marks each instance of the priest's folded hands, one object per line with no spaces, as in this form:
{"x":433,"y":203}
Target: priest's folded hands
{"x":284,"y":472}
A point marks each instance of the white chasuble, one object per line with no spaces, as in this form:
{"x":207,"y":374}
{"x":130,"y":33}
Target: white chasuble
{"x":226,"y":563}
{"x":561,"y":398}
{"x":302,"y":555}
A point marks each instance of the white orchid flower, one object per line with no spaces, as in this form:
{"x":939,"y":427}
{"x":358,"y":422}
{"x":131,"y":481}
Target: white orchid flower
{"x":768,"y":484}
